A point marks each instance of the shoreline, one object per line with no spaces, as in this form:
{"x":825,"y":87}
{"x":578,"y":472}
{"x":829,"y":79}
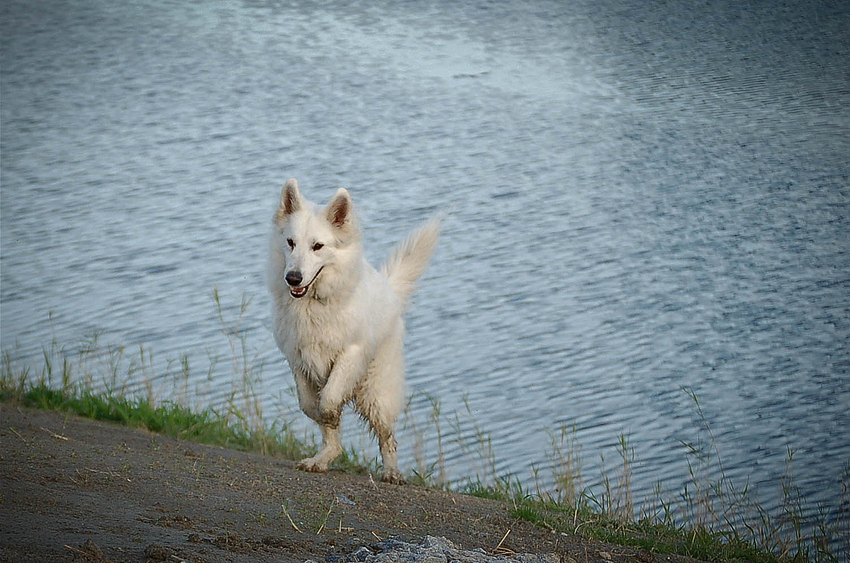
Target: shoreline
{"x":70,"y":483}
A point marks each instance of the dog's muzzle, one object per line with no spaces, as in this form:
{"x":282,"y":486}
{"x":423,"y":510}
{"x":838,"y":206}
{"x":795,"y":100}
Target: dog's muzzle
{"x":294,"y":279}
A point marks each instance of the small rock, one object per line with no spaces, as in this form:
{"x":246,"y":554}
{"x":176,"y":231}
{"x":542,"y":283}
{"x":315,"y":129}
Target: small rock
{"x":342,"y":499}
{"x":437,"y":543}
{"x":360,"y":555}
{"x":537,"y":558}
{"x":156,"y":552}
{"x":90,"y":552}
{"x":389,"y":544}
{"x":230,"y":540}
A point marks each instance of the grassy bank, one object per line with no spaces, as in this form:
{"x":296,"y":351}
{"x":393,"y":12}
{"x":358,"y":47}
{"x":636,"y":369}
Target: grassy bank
{"x":712,"y":520}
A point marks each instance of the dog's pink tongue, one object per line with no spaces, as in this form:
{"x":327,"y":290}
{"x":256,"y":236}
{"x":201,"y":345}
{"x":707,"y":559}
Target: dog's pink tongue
{"x":298,"y":291}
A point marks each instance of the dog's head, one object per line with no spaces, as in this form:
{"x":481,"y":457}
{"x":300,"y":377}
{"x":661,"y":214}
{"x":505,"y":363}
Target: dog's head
{"x":315,"y":244}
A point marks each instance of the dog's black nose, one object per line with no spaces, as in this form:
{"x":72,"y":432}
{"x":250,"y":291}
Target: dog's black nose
{"x":293,"y":278}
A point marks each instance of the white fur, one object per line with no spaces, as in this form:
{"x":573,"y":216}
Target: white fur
{"x":343,"y":338}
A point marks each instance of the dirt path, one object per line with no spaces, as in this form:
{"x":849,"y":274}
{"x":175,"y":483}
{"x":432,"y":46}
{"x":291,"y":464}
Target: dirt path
{"x":73,"y":489}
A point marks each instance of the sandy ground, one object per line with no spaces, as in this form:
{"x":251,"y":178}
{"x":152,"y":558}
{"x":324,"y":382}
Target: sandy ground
{"x":73,"y":489}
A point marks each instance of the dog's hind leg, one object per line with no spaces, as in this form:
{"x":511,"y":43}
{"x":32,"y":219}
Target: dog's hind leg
{"x":380,"y":399}
{"x":389,"y":446}
{"x":384,"y":428}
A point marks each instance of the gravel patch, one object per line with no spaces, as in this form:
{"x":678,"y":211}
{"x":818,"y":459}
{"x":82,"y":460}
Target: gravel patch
{"x":431,"y":550}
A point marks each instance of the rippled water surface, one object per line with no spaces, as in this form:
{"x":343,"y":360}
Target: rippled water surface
{"x":639,"y":197}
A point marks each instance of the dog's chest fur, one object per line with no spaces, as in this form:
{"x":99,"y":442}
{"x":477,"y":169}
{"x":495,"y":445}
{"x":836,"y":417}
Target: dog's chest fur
{"x":313,"y":335}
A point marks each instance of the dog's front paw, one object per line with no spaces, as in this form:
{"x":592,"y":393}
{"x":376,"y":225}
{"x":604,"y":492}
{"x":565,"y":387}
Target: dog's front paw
{"x":313,"y":465}
{"x":392,"y":475}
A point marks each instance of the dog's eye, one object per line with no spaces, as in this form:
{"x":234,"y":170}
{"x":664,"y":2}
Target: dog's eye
{"x":291,"y":243}
{"x":317,"y":246}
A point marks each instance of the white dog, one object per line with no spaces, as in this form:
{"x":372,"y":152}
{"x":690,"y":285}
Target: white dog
{"x":338,"y":321}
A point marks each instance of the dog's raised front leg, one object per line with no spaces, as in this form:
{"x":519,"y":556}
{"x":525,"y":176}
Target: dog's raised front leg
{"x":308,"y":400}
{"x":349,"y":369}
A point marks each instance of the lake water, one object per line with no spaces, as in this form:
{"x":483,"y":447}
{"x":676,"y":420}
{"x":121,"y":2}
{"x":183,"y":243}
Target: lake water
{"x":640,"y":197}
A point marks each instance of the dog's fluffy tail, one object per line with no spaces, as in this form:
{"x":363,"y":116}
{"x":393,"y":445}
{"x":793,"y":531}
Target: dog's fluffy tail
{"x":409,"y":259}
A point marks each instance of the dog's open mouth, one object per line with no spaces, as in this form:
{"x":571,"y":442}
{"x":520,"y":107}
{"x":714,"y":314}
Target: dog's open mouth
{"x":301,"y":291}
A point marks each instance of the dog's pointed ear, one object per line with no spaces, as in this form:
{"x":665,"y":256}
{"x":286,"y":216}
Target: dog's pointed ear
{"x":290,"y":199}
{"x":339,"y":211}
